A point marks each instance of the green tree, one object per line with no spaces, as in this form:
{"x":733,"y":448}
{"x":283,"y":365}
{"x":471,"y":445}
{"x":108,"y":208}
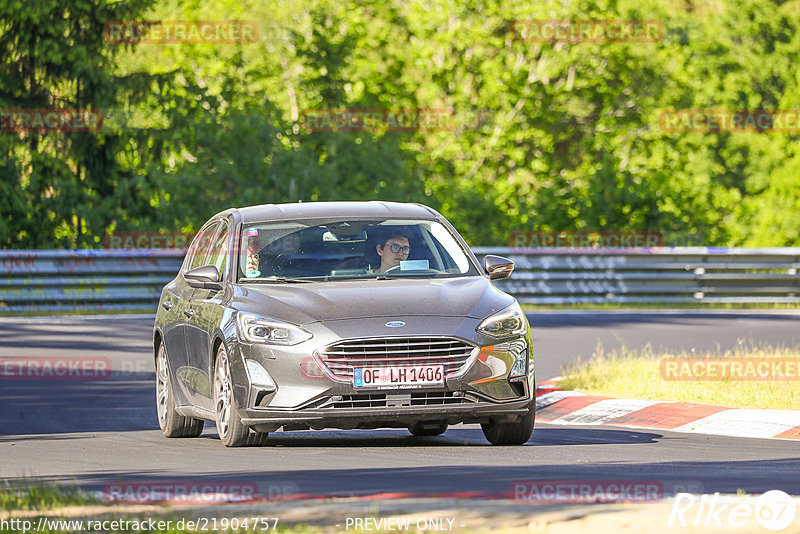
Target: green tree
{"x":63,"y":188}
{"x":547,"y":135}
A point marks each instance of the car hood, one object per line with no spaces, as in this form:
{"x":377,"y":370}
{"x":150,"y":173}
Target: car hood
{"x":473,"y":296}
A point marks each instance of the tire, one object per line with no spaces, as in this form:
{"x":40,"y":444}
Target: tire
{"x":419,"y":430}
{"x":232,"y":432}
{"x":171,"y":423}
{"x":511,"y":433}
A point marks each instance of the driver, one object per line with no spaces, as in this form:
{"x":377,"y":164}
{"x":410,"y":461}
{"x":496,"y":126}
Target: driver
{"x":395,"y":248}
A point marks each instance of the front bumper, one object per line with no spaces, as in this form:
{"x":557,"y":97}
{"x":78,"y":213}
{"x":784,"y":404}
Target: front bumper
{"x":388,"y":417}
{"x":309,"y":397}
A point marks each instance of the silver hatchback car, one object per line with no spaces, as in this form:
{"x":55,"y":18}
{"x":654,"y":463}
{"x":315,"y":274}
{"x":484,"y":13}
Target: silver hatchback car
{"x":350,"y":315}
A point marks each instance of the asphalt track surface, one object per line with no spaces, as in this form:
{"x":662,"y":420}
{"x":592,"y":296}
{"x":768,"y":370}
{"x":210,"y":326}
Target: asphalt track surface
{"x":93,"y":433}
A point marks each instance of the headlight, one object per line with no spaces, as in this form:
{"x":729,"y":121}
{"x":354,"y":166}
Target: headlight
{"x":509,"y":322}
{"x":256,"y":329}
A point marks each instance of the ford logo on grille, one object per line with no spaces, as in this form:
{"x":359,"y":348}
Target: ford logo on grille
{"x":395,"y":324}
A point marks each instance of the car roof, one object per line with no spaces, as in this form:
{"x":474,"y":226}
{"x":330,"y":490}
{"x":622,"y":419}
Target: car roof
{"x":329,"y":210}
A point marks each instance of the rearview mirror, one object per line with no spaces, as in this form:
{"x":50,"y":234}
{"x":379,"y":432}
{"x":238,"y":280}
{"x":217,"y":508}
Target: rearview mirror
{"x":205,"y":277}
{"x":497,"y":267}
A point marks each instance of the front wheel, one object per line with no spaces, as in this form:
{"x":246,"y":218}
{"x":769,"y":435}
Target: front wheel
{"x":171,"y":423}
{"x":230,"y":428}
{"x":511,"y":433}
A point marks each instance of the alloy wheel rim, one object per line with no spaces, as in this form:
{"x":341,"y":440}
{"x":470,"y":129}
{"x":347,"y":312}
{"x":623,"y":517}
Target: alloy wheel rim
{"x":222,"y":394}
{"x":162,"y":389}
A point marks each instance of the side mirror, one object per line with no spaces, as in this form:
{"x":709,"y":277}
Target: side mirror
{"x":497,"y":266}
{"x":205,"y":277}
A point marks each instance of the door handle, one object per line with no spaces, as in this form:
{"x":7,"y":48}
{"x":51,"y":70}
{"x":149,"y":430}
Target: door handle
{"x":167,"y":305}
{"x":188,"y":313}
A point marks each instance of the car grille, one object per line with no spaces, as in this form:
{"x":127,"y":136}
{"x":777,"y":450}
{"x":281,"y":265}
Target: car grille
{"x":342,"y":357}
{"x":381,"y":400}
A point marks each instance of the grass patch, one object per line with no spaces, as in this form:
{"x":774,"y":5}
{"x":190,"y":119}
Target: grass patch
{"x":41,"y":497}
{"x":636,"y":374}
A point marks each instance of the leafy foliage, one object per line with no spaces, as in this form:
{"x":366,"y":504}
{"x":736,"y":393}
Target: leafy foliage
{"x":546,"y":135}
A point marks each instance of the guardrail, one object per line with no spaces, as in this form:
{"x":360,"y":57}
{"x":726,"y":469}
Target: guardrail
{"x":103,"y":279}
{"x":658,"y":275}
{"x":85,"y":280}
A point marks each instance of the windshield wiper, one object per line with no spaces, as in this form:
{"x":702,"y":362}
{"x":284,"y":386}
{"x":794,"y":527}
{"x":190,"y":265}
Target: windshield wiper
{"x":406,"y":275}
{"x":279,"y":280}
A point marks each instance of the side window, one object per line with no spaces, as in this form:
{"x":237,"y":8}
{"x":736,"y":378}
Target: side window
{"x":191,"y":253}
{"x":219,"y":250}
{"x":200,"y":246}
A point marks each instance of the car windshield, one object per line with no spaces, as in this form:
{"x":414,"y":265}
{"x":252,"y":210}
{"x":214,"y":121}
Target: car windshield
{"x":290,"y":251}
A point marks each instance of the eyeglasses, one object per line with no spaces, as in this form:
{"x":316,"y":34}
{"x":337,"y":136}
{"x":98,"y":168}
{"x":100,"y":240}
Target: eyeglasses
{"x":394,"y":247}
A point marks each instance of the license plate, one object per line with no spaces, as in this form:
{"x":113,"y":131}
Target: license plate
{"x":398,"y":377}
